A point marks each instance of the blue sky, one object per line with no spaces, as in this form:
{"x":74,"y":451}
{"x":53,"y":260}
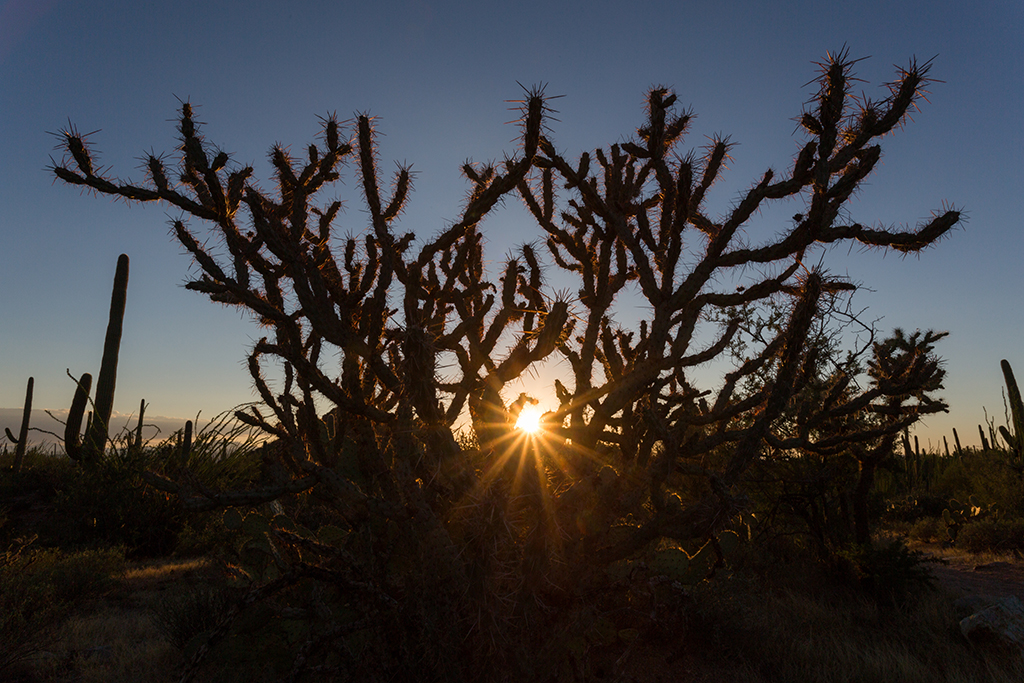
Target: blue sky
{"x":438,"y":75}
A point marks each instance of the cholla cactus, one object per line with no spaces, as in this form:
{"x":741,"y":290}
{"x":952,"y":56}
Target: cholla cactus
{"x":473,"y":539}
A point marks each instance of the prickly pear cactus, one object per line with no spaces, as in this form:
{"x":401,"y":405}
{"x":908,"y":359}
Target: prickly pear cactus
{"x":692,"y":569}
{"x":673,"y":563}
{"x":957,"y":514}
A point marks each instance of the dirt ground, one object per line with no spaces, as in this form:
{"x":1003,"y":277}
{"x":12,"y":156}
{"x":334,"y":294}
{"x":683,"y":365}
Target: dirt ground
{"x":998,"y":576}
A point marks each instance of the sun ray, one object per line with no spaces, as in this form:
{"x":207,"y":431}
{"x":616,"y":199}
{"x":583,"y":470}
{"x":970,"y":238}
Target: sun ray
{"x":529,"y":419}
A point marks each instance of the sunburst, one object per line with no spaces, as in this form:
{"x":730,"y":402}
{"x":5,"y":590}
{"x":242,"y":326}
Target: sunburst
{"x":529,"y":419}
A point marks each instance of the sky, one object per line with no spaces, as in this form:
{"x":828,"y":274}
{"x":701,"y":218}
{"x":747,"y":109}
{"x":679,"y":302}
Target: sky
{"x":439,"y":76}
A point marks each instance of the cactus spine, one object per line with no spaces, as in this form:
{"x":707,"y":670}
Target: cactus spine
{"x":95,"y":441}
{"x":22,"y":440}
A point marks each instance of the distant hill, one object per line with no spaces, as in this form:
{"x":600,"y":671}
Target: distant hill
{"x":47,"y":432}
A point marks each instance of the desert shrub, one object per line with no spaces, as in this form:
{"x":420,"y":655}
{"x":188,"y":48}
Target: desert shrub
{"x":953,"y":480}
{"x":929,"y":530}
{"x":108,"y":503}
{"x":202,"y":534}
{"x":929,"y":505}
{"x":183,"y":614}
{"x":915,"y":507}
{"x":888,"y":571}
{"x":793,"y":627}
{"x":39,"y":588}
{"x":992,"y":535}
{"x":984,"y":474}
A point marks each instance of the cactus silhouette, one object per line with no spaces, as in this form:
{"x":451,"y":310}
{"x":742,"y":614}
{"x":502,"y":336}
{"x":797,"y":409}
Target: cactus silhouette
{"x":91,"y":447}
{"x":21,"y":442}
{"x":1013,"y":433}
{"x":402,"y":338}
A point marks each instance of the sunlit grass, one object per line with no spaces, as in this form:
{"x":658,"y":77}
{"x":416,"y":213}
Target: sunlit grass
{"x":164,"y":570}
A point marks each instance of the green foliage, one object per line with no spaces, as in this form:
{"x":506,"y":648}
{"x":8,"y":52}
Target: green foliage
{"x":108,"y":503}
{"x":982,"y":474}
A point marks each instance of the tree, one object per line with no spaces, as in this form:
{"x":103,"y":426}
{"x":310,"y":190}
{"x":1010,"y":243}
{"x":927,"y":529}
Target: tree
{"x":488,"y":537}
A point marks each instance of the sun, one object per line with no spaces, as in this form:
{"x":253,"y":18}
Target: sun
{"x":529,"y":419}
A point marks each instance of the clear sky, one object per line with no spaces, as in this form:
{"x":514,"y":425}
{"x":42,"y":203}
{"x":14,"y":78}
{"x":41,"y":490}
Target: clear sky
{"x":438,"y":75}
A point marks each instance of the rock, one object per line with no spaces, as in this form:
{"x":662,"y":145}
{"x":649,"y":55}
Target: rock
{"x":972,"y":604}
{"x":1000,"y":623}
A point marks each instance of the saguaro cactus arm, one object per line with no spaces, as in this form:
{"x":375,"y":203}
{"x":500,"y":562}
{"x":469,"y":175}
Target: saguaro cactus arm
{"x":96,"y":438}
{"x":22,"y":440}
{"x":1014,"y":432}
{"x":73,"y":427}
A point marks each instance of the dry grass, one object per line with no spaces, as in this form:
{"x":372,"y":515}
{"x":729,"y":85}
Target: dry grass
{"x":111,"y":645}
{"x":755,"y":630}
{"x":114,"y":638}
{"x":782,"y":633}
{"x":958,"y":556}
{"x":146,"y":574}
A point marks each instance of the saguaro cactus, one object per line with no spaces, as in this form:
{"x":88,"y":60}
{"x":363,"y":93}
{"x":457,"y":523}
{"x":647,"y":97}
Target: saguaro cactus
{"x":22,"y":440}
{"x":91,"y":447}
{"x":1014,"y":439}
{"x":73,"y":428}
{"x":137,"y":443}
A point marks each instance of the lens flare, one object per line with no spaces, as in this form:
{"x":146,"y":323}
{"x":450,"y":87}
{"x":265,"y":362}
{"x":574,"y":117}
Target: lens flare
{"x":529,"y":419}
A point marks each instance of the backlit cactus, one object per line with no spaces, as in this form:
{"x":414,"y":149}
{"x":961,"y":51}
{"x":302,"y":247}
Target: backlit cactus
{"x":957,"y":514}
{"x":400,"y":337}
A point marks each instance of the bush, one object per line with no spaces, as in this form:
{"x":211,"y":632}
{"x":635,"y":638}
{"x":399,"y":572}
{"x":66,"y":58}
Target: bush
{"x":108,"y":503}
{"x":992,"y":535}
{"x":984,"y":474}
{"x":181,"y":616}
{"x":38,"y":588}
{"x":890,"y":572}
{"x":929,"y":530}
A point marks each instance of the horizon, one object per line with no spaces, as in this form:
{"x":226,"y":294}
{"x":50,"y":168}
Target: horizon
{"x":121,"y":68}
